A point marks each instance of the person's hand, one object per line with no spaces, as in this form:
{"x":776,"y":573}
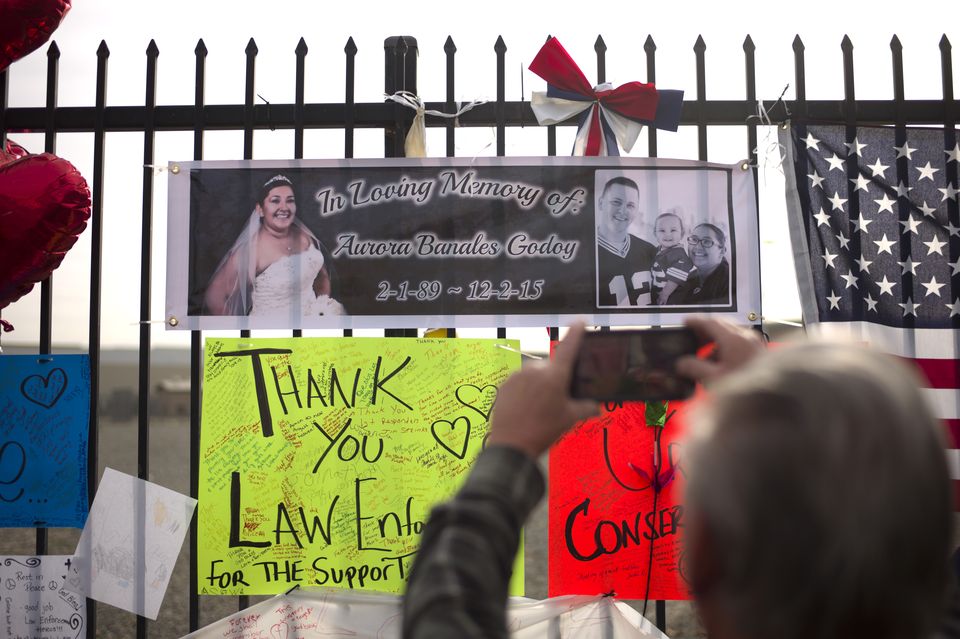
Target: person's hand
{"x":734,"y":347}
{"x":534,"y":406}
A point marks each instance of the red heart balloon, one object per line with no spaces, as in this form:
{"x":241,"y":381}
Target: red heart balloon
{"x":27,"y":24}
{"x":44,"y":205}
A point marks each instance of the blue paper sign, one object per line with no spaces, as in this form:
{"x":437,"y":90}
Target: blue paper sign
{"x":44,"y":424}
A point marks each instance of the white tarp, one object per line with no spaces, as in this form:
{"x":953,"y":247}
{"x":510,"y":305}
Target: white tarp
{"x":305,"y":613}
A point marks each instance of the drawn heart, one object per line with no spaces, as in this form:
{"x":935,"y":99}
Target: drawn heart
{"x":26,"y":25}
{"x":44,"y":205}
{"x":44,"y":391}
{"x":451,"y":433}
{"x":478,"y":398}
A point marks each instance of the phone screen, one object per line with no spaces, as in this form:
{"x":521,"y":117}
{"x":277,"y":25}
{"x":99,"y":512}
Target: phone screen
{"x":633,"y":365}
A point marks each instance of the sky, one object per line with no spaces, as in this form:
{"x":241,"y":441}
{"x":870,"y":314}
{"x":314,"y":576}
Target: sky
{"x":127,"y":27}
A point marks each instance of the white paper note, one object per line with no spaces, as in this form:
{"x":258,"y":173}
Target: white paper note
{"x":31,"y":605}
{"x":130,"y":543}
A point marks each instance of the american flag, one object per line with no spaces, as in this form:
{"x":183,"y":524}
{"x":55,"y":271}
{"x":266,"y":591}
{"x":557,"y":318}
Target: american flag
{"x":875,"y":227}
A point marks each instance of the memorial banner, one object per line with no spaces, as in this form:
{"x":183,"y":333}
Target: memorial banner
{"x":615,"y":511}
{"x":450,"y":242}
{"x":44,"y":428}
{"x":320,"y":458}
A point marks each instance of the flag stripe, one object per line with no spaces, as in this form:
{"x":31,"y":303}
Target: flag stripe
{"x":953,"y":463}
{"x":923,"y":343}
{"x":952,"y":429}
{"x":940,"y":373}
{"x":945,"y":402}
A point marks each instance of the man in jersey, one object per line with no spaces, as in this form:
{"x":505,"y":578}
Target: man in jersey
{"x":623,"y":259}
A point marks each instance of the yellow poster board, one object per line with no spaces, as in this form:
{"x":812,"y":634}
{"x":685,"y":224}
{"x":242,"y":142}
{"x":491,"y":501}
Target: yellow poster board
{"x":320,"y":458}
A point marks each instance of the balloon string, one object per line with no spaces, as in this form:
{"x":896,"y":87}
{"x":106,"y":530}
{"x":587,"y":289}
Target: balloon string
{"x":770,"y":145}
{"x":413,"y":101}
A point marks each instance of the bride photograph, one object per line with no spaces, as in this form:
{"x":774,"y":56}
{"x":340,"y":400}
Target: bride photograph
{"x":276,"y":268}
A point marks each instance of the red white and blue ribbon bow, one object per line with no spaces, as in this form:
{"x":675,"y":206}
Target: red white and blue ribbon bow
{"x":608,"y":116}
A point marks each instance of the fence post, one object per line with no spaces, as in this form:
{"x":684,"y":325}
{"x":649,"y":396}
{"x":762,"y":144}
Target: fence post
{"x":399,"y":74}
{"x":4,"y":84}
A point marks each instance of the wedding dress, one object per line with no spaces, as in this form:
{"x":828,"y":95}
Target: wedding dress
{"x":285,"y":288}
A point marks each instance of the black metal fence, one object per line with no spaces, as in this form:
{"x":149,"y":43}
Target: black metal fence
{"x":400,"y":73}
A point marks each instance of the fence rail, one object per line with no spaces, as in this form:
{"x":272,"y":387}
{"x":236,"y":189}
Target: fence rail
{"x":226,"y":117}
{"x":400,"y":73}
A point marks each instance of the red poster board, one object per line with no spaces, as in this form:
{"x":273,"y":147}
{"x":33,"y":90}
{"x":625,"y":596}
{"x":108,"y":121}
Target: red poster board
{"x":604,"y":510}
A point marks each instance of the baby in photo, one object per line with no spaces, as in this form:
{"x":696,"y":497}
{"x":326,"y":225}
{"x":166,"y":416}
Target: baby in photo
{"x":672,"y":266}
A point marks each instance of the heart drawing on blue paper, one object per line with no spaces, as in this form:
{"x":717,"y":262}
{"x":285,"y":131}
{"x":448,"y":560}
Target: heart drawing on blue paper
{"x":448,"y":431}
{"x":44,"y":391}
{"x":478,"y":398}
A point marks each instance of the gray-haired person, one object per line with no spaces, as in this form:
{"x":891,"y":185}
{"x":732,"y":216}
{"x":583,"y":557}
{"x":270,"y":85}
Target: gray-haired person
{"x":818,"y":499}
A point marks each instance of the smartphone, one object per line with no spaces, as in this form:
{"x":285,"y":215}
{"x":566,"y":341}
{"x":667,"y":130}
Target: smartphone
{"x":633,"y":365}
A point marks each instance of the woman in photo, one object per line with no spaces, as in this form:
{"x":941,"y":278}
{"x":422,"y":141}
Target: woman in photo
{"x":710,"y":282}
{"x":276,"y":267}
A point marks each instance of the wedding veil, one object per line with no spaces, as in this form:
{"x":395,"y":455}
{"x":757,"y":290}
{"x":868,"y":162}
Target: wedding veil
{"x":239,"y":301}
